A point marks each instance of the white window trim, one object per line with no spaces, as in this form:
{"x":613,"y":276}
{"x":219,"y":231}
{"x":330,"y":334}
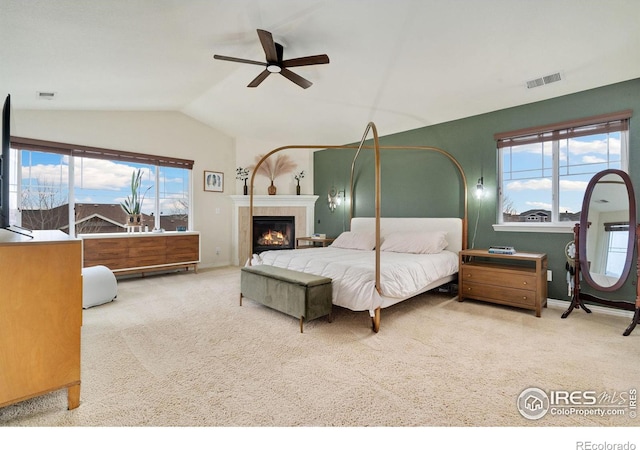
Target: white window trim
{"x":523,"y":227}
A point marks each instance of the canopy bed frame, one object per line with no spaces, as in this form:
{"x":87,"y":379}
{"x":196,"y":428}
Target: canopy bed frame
{"x":376,"y":147}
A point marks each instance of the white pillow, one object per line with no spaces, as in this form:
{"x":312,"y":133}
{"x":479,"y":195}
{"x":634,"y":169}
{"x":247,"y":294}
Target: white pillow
{"x":355,"y":240}
{"x":415,"y":242}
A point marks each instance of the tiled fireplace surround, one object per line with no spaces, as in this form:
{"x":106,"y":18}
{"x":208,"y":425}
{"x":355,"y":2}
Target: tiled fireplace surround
{"x":300,"y":206}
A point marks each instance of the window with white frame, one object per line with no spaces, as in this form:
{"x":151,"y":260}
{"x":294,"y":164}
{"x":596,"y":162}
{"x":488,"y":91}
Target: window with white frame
{"x":79,"y":189}
{"x":543,"y":172}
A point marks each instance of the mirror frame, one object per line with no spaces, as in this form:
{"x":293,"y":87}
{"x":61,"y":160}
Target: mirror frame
{"x":584,"y":226}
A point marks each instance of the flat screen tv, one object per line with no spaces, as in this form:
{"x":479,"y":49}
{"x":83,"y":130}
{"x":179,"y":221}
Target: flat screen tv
{"x":4,"y":163}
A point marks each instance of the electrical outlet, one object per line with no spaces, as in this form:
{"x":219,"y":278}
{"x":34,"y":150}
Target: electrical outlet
{"x":217,"y":250}
{"x":549,"y":275}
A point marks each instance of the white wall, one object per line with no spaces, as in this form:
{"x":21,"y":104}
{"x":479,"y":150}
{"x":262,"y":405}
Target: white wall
{"x":158,"y":133}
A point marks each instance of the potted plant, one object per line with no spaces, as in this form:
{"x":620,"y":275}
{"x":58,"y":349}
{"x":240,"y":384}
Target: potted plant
{"x":132,"y":205}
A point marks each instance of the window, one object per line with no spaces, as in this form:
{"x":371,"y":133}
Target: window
{"x":616,"y":240}
{"x":43,"y":190}
{"x":53,"y":179}
{"x":543,"y":172}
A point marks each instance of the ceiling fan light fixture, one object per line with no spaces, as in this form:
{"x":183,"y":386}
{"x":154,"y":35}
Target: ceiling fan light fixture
{"x":275,"y":63}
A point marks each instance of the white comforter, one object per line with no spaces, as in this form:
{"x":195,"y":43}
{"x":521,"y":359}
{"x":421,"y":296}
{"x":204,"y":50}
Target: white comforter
{"x":402,"y":275}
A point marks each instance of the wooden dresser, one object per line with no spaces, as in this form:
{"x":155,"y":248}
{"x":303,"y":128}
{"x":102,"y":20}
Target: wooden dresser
{"x":126,"y":253}
{"x":516,"y":280}
{"x":40,"y":315}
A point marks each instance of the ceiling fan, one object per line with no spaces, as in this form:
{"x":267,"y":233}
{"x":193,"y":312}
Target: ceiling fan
{"x":274,"y":63}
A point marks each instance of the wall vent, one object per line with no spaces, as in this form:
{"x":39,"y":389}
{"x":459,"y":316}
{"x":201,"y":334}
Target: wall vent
{"x":544,"y":80}
{"x":46,"y":95}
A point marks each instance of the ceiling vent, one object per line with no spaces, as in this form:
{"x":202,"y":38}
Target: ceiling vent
{"x":544,"y":80}
{"x":46,"y":95}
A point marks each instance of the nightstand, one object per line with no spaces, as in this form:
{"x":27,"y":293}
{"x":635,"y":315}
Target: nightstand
{"x":518,"y":280}
{"x":313,"y":242}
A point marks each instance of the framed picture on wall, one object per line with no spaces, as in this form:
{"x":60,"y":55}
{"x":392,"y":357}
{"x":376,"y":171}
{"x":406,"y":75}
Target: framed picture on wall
{"x":213,"y":181}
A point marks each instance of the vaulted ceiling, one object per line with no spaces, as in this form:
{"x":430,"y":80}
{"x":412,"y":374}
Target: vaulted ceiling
{"x":403,"y":64}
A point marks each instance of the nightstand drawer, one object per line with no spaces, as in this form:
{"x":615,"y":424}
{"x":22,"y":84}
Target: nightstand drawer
{"x":499,"y":294}
{"x":513,"y":278}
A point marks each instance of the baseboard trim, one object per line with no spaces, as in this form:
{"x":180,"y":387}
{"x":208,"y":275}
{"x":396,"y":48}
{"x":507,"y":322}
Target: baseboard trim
{"x":564,"y":304}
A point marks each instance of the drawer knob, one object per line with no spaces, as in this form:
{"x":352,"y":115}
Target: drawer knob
{"x":524,"y":298}
{"x":524,"y":282}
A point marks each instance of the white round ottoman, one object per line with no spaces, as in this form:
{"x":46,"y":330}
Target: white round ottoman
{"x":98,"y":286}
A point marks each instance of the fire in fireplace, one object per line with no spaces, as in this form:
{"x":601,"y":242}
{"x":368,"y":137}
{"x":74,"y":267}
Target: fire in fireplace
{"x":273,"y":233}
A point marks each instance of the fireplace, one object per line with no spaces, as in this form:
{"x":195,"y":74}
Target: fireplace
{"x":273,"y":233}
{"x":302,"y":207}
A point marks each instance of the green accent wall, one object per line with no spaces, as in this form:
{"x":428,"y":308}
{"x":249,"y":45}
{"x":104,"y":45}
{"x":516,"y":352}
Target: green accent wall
{"x":417,"y":183}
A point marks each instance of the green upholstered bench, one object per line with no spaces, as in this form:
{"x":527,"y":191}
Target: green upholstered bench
{"x":298,"y":294}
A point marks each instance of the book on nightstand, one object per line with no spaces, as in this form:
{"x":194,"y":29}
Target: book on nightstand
{"x":502,"y":250}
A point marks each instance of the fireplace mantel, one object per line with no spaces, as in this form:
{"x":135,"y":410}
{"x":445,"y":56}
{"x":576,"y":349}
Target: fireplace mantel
{"x":308,"y":201}
{"x":285,"y":203}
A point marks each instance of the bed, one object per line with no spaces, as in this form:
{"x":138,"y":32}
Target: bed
{"x":380,"y":261}
{"x":417,"y":255}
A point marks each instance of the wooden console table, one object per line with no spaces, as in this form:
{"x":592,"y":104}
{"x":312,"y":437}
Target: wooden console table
{"x":516,"y":280}
{"x":126,"y":253}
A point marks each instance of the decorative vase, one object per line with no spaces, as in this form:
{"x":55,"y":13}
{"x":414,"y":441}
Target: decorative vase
{"x":246,"y":188}
{"x":134,"y":220}
{"x":298,"y":189}
{"x":272,"y":189}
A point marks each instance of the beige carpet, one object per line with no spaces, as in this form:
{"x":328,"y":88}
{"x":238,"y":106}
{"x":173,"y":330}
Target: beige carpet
{"x":178,"y":350}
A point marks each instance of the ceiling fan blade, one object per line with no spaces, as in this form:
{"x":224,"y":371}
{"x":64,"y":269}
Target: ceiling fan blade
{"x":297,"y":79}
{"x":306,"y":61}
{"x":266,"y":39}
{"x":279,"y":52}
{"x":259,"y":79}
{"x":239,"y":60}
